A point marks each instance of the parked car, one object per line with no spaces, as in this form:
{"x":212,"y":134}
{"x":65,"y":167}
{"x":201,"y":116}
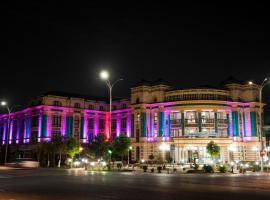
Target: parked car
{"x":23,"y":163}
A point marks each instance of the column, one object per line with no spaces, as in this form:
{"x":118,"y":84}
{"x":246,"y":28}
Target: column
{"x":10,"y":131}
{"x":216,"y":122}
{"x":63,"y":124}
{"x":253,"y":122}
{"x":183,"y":123}
{"x":96,"y":124}
{"x":161,"y":124}
{"x":143,"y":124}
{"x":235,"y":123}
{"x":200,"y":121}
{"x":128,"y":124}
{"x":228,"y":124}
{"x":49,"y":127}
{"x":19,"y":120}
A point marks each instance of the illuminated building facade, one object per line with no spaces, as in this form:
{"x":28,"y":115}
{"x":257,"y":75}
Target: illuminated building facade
{"x":160,"y":120}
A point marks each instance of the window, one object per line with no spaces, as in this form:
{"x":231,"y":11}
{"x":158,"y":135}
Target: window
{"x":56,"y":121}
{"x":91,"y":107}
{"x":77,"y":122}
{"x":101,"y":124}
{"x":114,"y":124}
{"x":57,"y":103}
{"x":90,"y":123}
{"x":138,"y":100}
{"x":114,"y":107}
{"x":34,"y":122}
{"x":124,"y":123}
{"x":77,"y":105}
{"x":124,"y":105}
{"x":101,"y":108}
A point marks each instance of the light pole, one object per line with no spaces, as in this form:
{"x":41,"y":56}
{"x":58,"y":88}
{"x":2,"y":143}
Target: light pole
{"x":129,"y":149}
{"x":260,"y":116}
{"x":3,"y":103}
{"x":104,"y":75}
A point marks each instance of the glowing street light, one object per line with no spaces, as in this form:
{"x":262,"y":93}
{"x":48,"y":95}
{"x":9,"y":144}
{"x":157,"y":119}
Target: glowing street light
{"x":129,"y":149}
{"x":104,"y":75}
{"x":260,"y":115}
{"x":5,"y":104}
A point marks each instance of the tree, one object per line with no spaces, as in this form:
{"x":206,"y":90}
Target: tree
{"x":59,"y":147}
{"x":72,"y":147}
{"x":99,"y":146}
{"x":47,"y":146}
{"x":213,"y":149}
{"x":121,"y":145}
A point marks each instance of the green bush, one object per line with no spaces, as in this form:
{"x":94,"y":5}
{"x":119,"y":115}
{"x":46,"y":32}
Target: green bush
{"x":208,"y":169}
{"x":222,"y":168}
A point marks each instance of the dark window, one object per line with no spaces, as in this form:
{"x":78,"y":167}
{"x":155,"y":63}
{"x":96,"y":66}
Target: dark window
{"x":91,"y":107}
{"x":57,"y":103}
{"x":101,"y":124}
{"x":123,"y":123}
{"x":76,"y":122}
{"x":90,"y":123}
{"x":114,"y":124}
{"x":114,"y":107}
{"x":101,"y":108}
{"x":55,"y":134}
{"x":124,"y":105}
{"x":34,"y":121}
{"x":34,"y":137}
{"x":77,"y":105}
{"x":138,"y":100}
{"x":56,"y":121}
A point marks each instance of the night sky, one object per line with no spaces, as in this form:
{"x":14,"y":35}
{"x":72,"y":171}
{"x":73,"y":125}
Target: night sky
{"x":63,"y":46}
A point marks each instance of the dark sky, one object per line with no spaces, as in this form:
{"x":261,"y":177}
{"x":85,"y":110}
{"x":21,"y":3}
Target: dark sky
{"x":63,"y":46}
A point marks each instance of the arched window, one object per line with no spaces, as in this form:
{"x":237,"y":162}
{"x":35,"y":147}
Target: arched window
{"x":77,"y":105}
{"x":138,"y":100}
{"x":57,"y":103}
{"x":91,"y":107}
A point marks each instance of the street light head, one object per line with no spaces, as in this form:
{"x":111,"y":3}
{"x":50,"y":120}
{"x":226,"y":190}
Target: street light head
{"x":3,"y":103}
{"x":250,"y":83}
{"x":104,"y":75}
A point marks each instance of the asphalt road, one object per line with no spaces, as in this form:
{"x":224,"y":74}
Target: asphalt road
{"x":63,"y":184}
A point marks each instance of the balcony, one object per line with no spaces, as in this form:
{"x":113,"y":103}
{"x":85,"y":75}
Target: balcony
{"x":201,"y":135}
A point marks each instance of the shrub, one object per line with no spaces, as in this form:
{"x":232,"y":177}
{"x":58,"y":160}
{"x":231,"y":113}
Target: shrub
{"x":119,"y":166}
{"x":145,"y":168}
{"x":222,"y":168}
{"x":159,"y":168}
{"x":208,"y":169}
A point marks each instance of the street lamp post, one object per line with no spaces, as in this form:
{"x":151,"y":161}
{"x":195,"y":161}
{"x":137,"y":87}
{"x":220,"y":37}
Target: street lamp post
{"x":104,"y":75}
{"x":129,"y":149}
{"x":3,"y":103}
{"x":260,"y":116}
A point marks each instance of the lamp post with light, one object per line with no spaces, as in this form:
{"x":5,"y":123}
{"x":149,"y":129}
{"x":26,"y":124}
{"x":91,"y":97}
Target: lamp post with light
{"x":260,"y":116}
{"x":9,"y":109}
{"x":104,"y":75}
{"x":129,"y":149}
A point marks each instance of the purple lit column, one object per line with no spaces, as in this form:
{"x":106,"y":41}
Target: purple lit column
{"x":39,"y":127}
{"x":85,"y":128}
{"x":49,"y":127}
{"x":118,"y":121}
{"x":128,"y":124}
{"x":11,"y":130}
{"x":18,"y":130}
{"x":96,"y":124}
{"x":63,"y":124}
{"x":4,"y":132}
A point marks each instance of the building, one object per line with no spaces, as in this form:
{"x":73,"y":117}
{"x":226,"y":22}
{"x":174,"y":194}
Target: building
{"x":159,"y":119}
